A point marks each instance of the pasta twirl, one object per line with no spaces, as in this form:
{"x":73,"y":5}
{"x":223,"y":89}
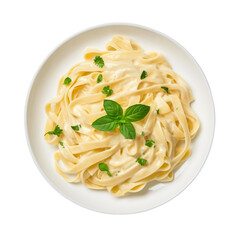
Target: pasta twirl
{"x":135,"y":77}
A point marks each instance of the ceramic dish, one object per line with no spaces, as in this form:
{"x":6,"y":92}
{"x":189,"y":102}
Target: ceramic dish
{"x":43,"y":88}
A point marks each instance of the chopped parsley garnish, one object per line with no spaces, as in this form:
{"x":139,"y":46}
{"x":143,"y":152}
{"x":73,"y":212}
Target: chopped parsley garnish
{"x":141,"y":161}
{"x":67,"y":81}
{"x":165,"y":88}
{"x":106,"y":90}
{"x":144,"y":74}
{"x":104,"y":167}
{"x":99,"y":78}
{"x":99,"y":61}
{"x":143,"y":133}
{"x":57,"y":131}
{"x":157,"y":111}
{"x":61,"y":143}
{"x":76,"y":128}
{"x":149,"y":143}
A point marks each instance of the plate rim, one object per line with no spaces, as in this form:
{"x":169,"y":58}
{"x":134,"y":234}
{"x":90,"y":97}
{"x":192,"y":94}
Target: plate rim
{"x":52,"y":52}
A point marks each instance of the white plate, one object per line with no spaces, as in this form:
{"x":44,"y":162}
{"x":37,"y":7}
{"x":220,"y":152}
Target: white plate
{"x":44,"y":87}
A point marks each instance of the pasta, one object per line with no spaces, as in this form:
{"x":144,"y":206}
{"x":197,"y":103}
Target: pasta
{"x":128,"y":76}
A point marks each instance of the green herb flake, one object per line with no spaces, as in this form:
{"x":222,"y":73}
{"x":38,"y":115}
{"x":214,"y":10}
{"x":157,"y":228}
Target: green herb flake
{"x":165,"y":88}
{"x":149,"y":143}
{"x":144,"y":74}
{"x":154,"y":146}
{"x":76,"y":127}
{"x":61,"y":143}
{"x":99,"y":61}
{"x":67,"y":81}
{"x":106,"y":90}
{"x":104,"y":167}
{"x":141,"y":161}
{"x":157,"y":111}
{"x":99,"y":78}
{"x":143,"y":133}
{"x":57,"y":131}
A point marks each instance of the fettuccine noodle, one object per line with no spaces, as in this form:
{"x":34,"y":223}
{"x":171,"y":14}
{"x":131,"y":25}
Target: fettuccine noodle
{"x":170,"y":123}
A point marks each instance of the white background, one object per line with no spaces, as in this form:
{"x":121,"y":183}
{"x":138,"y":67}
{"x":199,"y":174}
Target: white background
{"x":208,"y":209}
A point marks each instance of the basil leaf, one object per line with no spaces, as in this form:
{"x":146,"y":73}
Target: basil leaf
{"x":104,"y":167}
{"x":105,"y":123}
{"x":136,"y":112}
{"x":127,"y":130}
{"x":112,"y":108}
{"x":115,"y":117}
